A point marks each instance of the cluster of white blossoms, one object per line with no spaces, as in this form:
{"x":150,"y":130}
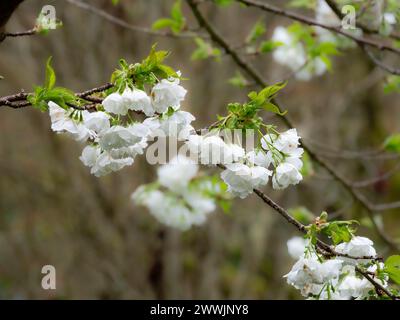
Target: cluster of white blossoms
{"x":167,"y":93}
{"x":114,"y":144}
{"x":179,"y":198}
{"x":183,"y":202}
{"x":334,"y":279}
{"x":292,"y":53}
{"x":246,"y":171}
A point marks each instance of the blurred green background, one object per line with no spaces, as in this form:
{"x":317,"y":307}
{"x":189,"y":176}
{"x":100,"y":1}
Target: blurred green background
{"x":52,"y":211}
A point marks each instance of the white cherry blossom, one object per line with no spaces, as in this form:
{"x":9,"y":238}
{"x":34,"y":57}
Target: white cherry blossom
{"x":288,"y":142}
{"x":309,"y":275}
{"x":357,"y":247}
{"x":167,"y":93}
{"x":106,"y":164}
{"x":177,"y":173}
{"x":286,"y":174}
{"x":296,"y":247}
{"x":259,"y":158}
{"x":177,"y":125}
{"x":89,"y":155}
{"x":292,"y":54}
{"x":61,"y":122}
{"x":98,"y":122}
{"x":115,"y":103}
{"x":122,"y":137}
{"x":242,"y":179}
{"x":138,"y":100}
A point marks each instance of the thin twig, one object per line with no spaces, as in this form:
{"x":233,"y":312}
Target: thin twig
{"x":363,"y":47}
{"x":378,"y":286}
{"x":387,"y":206}
{"x":19,"y":100}
{"x":121,"y":23}
{"x":363,"y":27}
{"x":309,"y":21}
{"x":372,"y":181}
{"x":5,"y":35}
{"x":379,"y":63}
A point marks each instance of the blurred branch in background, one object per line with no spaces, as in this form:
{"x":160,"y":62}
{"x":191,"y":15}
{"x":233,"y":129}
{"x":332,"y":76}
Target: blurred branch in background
{"x":363,"y":42}
{"x":121,"y":23}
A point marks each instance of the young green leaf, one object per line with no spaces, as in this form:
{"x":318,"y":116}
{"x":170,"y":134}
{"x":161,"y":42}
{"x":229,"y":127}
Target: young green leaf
{"x":268,"y":46}
{"x":204,"y":50}
{"x":339,"y":231}
{"x":308,"y":4}
{"x":308,"y":168}
{"x":256,"y":32}
{"x":269,"y":106}
{"x":176,"y":22}
{"x":50,"y":80}
{"x":392,"y":84}
{"x":238,"y":80}
{"x":163,"y":23}
{"x":392,"y":143}
{"x":302,"y":214}
{"x":392,"y":268}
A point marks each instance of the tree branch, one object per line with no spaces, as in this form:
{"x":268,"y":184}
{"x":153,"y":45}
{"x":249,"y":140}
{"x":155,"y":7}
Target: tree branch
{"x":363,"y":27}
{"x":329,"y":251}
{"x":258,"y":79}
{"x":363,"y":47}
{"x":121,"y":23}
{"x":5,"y":35}
{"x":309,"y":21}
{"x":19,"y":100}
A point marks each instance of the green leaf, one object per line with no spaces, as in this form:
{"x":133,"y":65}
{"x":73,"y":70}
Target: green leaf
{"x":339,"y":231}
{"x":167,"y":71}
{"x":223,"y":3}
{"x":256,"y":32}
{"x":204,"y":50}
{"x":50,"y":80}
{"x":269,"y":45}
{"x":163,"y":23}
{"x":392,"y":268}
{"x":392,"y":143}
{"x":225,"y":205}
{"x":393,"y":262}
{"x":269,"y":106}
{"x":176,"y":11}
{"x":309,"y":4}
{"x":302,"y":214}
{"x":238,"y":80}
{"x":271,"y":91}
{"x":308,"y":168}
{"x":392,"y":84}
{"x":327,"y":62}
{"x":176,"y":22}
